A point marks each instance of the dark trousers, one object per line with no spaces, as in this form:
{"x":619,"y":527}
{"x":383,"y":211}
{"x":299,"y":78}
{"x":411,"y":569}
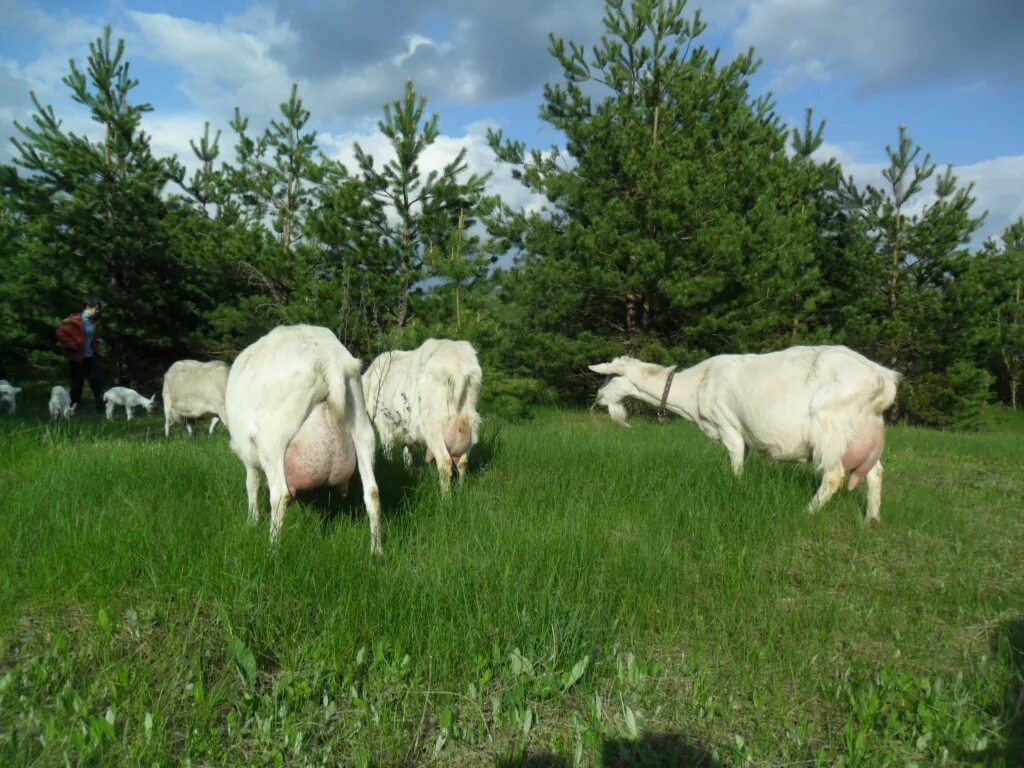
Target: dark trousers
{"x":87,"y":370}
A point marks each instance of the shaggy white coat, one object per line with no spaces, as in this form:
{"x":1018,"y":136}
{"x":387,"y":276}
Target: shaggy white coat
{"x":822,"y":404}
{"x":428,"y":396}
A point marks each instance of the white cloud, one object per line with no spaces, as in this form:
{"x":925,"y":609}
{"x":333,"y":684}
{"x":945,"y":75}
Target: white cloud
{"x":998,"y":185}
{"x":224,"y":65}
{"x":795,"y":75}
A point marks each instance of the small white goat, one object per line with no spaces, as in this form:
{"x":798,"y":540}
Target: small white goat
{"x":129,"y":398}
{"x":60,"y":404}
{"x":192,"y":390}
{"x":822,"y":404}
{"x":9,"y":396}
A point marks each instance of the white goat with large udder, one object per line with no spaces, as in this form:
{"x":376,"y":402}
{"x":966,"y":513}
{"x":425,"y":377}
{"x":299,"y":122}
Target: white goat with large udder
{"x":822,"y":404}
{"x":295,"y":409}
{"x":428,"y":396}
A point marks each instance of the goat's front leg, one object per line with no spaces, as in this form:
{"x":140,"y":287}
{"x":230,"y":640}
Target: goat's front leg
{"x":733,"y":442}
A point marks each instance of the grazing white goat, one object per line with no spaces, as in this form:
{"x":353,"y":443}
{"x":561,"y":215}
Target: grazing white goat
{"x":822,"y":404}
{"x":60,"y":404}
{"x":428,"y":396}
{"x":192,"y":390}
{"x":273,"y":401}
{"x":129,"y":398}
{"x":9,"y":396}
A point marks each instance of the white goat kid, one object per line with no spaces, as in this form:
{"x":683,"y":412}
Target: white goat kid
{"x":295,"y":409}
{"x":822,"y":404}
{"x":60,"y":404}
{"x":428,"y":396}
{"x":9,"y":396}
{"x":128,"y":398}
{"x":192,"y":390}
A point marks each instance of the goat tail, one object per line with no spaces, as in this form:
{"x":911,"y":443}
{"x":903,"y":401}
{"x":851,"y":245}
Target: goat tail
{"x":341,"y":396}
{"x":463,"y":422}
{"x":886,"y":394}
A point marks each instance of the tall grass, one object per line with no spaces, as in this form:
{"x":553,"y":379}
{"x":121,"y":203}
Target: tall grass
{"x":598,"y":595}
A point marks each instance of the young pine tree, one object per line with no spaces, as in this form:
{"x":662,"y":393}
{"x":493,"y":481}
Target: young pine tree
{"x":416,"y":212}
{"x":677,"y":223}
{"x":904,"y":313}
{"x":995,"y":280}
{"x":97,"y":217}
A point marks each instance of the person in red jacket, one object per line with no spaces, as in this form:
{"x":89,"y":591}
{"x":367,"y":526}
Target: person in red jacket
{"x":77,"y":337}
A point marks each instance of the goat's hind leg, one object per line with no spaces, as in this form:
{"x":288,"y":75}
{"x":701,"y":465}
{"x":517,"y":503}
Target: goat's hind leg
{"x":831,"y":482}
{"x":252,"y":490}
{"x":874,"y":481}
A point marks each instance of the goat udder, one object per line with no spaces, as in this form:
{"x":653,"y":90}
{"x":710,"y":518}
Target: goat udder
{"x":864,"y":451}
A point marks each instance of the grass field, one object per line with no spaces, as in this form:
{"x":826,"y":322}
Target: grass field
{"x":592,"y":596}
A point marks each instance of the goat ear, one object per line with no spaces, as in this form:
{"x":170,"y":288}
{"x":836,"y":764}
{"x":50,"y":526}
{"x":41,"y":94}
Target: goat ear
{"x":607,"y":369}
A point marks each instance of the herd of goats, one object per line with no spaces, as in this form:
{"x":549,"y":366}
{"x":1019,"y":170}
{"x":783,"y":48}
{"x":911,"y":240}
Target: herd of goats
{"x":299,"y":409}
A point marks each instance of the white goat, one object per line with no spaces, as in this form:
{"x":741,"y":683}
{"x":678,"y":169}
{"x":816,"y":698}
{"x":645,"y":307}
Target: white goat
{"x":428,"y":396}
{"x":129,"y":398}
{"x":192,"y":390}
{"x":822,"y":404}
{"x":9,"y":396}
{"x":60,"y":404}
{"x":273,"y":392}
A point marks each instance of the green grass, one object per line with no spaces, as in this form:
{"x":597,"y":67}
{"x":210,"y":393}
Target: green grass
{"x":592,"y":596}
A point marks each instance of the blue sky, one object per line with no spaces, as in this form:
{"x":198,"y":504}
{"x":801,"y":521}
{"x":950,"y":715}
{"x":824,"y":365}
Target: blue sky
{"x":951,"y":70}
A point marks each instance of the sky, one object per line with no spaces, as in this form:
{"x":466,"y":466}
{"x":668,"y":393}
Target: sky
{"x":952,"y":71}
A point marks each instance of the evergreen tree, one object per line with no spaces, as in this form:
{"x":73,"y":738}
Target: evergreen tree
{"x":904,"y":310}
{"x":277,"y":171}
{"x":263,"y":203}
{"x":94,"y":216}
{"x":353,"y":290}
{"x":995,"y":281}
{"x":424,"y":209}
{"x":15,"y":341}
{"x":678,"y":225}
{"x":462,"y":262}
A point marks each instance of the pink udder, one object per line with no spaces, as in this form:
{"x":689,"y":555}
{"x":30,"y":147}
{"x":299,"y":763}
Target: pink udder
{"x":864,"y":452}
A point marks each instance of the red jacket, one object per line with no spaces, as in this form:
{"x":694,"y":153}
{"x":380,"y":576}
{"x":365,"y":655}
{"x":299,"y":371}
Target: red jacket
{"x":71,"y":337}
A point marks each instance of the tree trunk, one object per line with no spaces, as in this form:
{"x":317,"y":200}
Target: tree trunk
{"x":632,"y":301}
{"x":458,"y":309}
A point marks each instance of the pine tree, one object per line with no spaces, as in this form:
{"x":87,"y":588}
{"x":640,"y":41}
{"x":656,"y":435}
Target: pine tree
{"x":904,"y":312}
{"x":995,"y":282}
{"x":677,"y":223}
{"x":462,"y":262}
{"x":278,"y":170}
{"x":96,"y":218}
{"x":428,"y":208}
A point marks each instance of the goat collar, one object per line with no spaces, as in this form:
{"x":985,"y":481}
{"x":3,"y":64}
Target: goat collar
{"x":662,"y":410}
